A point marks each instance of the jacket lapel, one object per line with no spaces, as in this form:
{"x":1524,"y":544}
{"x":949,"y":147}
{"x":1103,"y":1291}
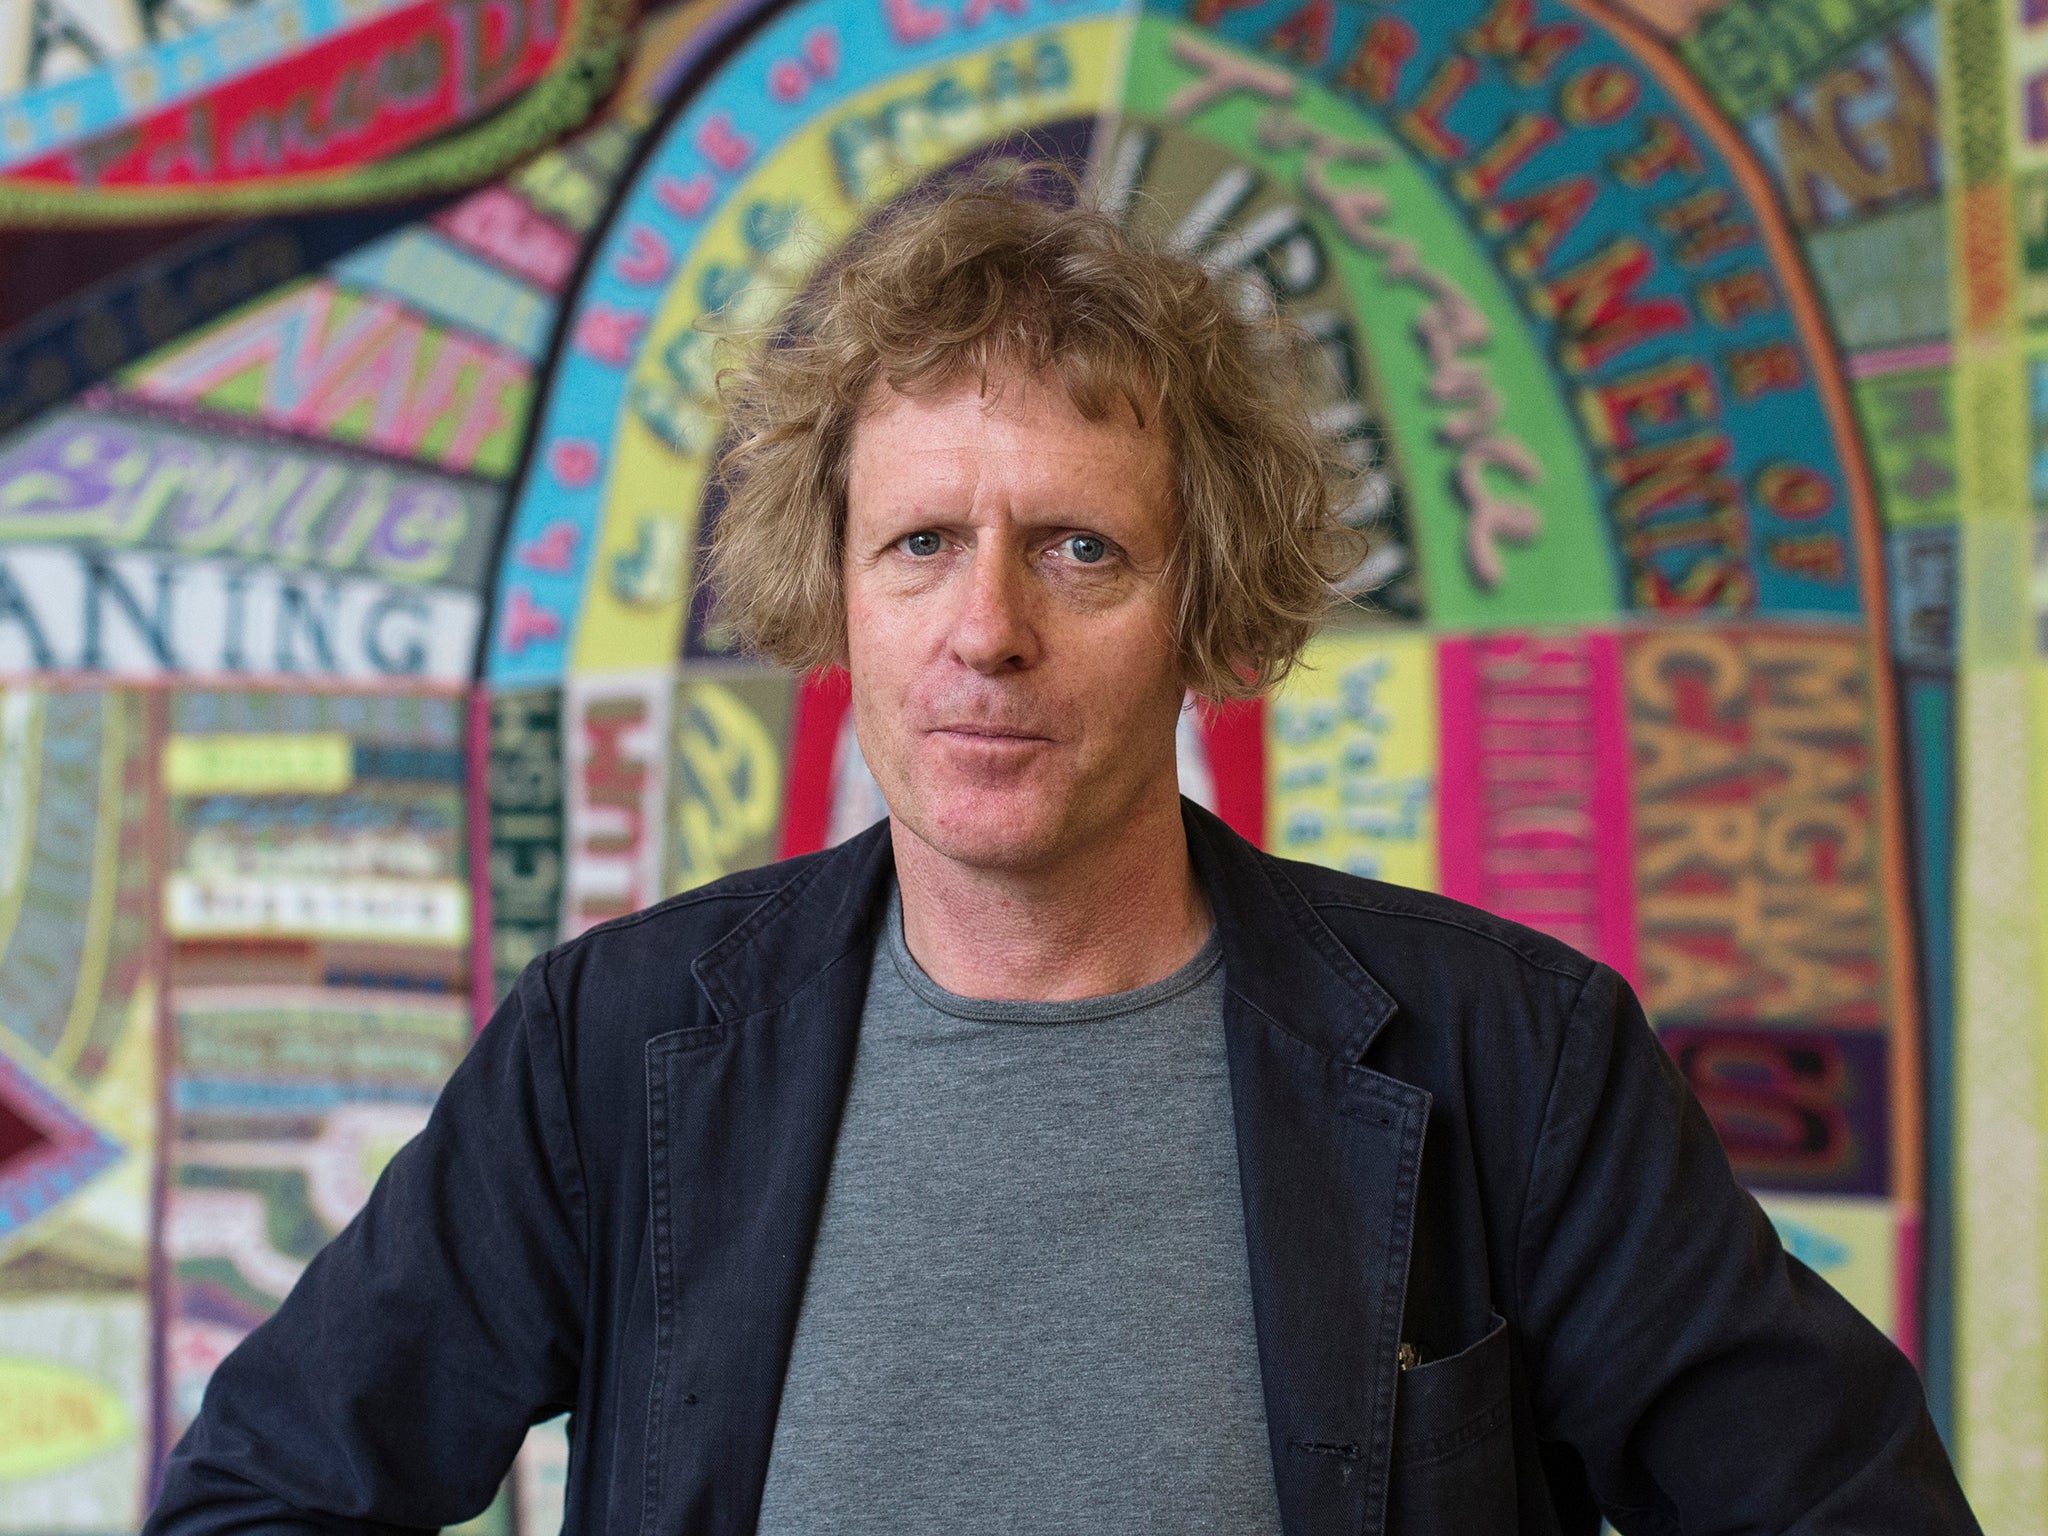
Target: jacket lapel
{"x":1329,"y":1154}
{"x":743,"y":1116}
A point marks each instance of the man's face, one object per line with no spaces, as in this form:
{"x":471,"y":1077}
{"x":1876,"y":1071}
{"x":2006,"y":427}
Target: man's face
{"x":1015,"y":683}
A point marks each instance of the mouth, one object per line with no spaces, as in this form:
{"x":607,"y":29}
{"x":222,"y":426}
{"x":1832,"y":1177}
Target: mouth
{"x":994,"y":734}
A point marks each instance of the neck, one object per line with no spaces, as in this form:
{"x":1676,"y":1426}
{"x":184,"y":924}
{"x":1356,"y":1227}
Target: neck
{"x":1116,"y":917}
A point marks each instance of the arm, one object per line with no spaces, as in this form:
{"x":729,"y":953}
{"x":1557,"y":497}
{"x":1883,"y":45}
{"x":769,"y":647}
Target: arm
{"x":1704,"y":1377}
{"x":397,"y":1381}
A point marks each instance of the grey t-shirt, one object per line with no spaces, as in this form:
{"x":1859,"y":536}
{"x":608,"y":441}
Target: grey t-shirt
{"x":1029,"y":1308}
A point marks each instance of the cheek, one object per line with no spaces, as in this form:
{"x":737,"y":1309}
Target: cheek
{"x":879,"y":640}
{"x":1131,"y":669}
{"x":881,"y":655}
{"x":870,"y":626}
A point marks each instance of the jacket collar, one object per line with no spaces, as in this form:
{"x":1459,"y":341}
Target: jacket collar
{"x":829,"y":905}
{"x":1278,"y":954}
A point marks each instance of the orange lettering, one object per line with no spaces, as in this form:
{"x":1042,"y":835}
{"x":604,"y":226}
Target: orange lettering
{"x":1524,"y":135}
{"x":1704,"y":222}
{"x":1423,"y":123}
{"x":1374,"y":68}
{"x":1659,"y":396}
{"x":1550,"y":213}
{"x":1725,"y":300}
{"x":1509,"y":31}
{"x":1666,"y":147}
{"x":1595,"y":306}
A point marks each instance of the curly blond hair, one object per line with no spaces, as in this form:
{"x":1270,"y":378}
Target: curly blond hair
{"x":983,"y":276}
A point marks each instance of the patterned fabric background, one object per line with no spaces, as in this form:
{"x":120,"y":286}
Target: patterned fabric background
{"x":356,"y":427}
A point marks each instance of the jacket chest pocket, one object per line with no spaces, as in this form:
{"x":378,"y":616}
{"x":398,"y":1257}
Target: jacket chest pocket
{"x":1454,"y":1464}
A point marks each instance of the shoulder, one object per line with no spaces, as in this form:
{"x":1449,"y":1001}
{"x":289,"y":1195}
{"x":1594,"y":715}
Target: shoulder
{"x":709,"y":909}
{"x":1481,"y":1004}
{"x":1401,"y":923}
{"x":638,"y":967}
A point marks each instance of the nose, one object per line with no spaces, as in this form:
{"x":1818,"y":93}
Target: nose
{"x":993,"y":629}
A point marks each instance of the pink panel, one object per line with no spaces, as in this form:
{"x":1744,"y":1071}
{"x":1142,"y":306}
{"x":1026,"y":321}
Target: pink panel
{"x":1533,"y":786}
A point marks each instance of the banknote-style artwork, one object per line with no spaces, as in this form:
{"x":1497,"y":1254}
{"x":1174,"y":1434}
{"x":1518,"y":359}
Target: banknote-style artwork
{"x":353,"y":652}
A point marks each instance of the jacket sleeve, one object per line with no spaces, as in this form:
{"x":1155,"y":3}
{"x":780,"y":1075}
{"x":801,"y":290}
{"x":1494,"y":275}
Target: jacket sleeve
{"x":394,"y":1386}
{"x":1707,"y":1380}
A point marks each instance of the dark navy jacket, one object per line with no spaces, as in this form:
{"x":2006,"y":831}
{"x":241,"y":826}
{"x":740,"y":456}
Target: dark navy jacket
{"x":1452,"y":1132}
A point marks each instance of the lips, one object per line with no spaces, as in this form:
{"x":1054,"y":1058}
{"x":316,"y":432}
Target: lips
{"x":988,"y":732}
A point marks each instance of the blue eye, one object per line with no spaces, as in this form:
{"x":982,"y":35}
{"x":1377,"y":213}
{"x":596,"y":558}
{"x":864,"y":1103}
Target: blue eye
{"x":924,"y":542}
{"x":1086,"y":548}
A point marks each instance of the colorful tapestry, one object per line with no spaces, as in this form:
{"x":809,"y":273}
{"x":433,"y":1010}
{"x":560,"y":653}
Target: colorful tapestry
{"x":352,"y":651}
{"x":141,"y":109}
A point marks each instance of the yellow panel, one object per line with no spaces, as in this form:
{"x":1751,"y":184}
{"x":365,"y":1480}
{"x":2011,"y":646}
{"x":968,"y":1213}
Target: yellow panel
{"x":259,"y":763}
{"x":1351,"y":758}
{"x":53,"y":1416}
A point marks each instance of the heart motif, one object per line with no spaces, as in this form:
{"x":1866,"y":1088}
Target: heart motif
{"x":574,"y":462}
{"x":554,"y":550}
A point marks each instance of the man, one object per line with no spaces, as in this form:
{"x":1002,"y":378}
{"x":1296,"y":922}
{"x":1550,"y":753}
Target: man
{"x":1047,"y":1158}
